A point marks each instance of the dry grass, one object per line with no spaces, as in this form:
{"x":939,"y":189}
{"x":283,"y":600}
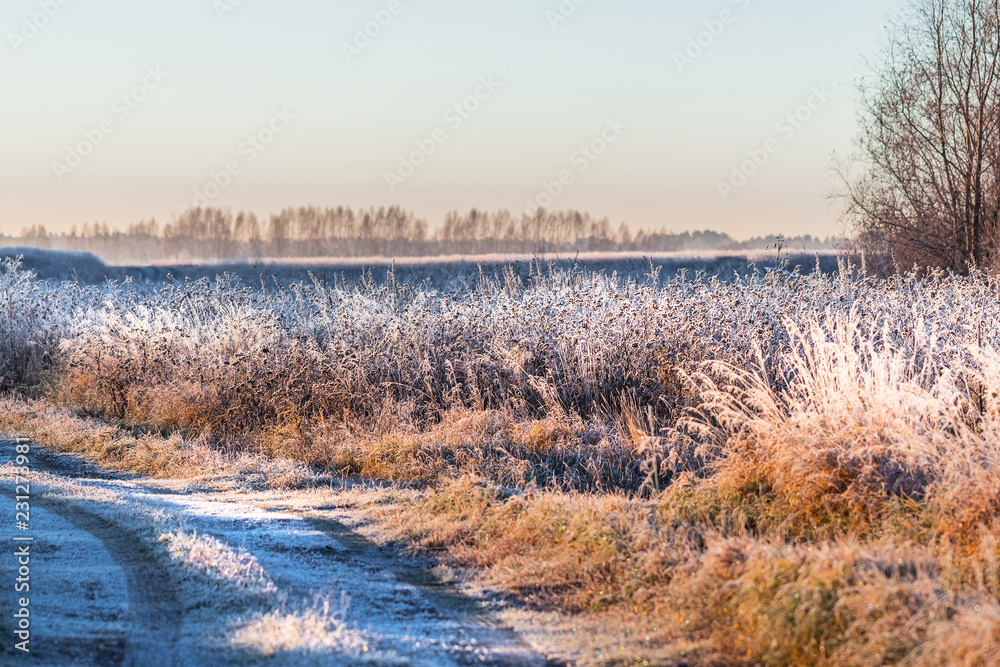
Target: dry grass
{"x":305,"y":637}
{"x":218,"y":562}
{"x":776,"y":470}
{"x":105,"y":444}
{"x":141,"y":452}
{"x":846,"y":515}
{"x":560,"y":452}
{"x":225,"y":360}
{"x":652,"y":578}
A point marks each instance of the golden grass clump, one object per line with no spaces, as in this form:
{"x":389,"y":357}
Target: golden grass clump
{"x":734,"y":598}
{"x":304,"y":637}
{"x":218,"y":562}
{"x":860,"y":431}
{"x":515,"y":453}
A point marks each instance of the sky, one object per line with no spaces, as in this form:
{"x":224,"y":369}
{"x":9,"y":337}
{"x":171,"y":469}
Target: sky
{"x":715,"y":114}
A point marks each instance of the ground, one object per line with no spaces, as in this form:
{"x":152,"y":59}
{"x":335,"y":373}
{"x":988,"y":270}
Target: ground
{"x":136,"y":571}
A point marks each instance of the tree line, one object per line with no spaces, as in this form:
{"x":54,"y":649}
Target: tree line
{"x":311,"y":232}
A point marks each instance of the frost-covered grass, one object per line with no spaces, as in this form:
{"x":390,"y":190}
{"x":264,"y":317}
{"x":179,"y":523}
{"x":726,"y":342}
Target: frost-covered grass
{"x":787,"y":469}
{"x":580,"y":378}
{"x":218,"y":561}
{"x":307,"y":637}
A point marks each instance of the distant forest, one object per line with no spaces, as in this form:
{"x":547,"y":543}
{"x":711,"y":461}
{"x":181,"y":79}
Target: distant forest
{"x":211,"y":234}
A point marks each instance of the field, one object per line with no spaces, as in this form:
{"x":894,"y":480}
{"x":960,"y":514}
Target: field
{"x":733,"y":467}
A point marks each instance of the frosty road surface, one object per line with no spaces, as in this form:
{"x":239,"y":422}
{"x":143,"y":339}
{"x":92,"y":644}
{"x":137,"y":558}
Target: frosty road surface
{"x":107,"y":590}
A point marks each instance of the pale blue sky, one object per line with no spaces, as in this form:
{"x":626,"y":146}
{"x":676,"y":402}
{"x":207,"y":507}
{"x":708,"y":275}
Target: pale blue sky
{"x":226,"y":76}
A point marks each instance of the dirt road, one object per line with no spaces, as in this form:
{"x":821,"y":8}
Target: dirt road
{"x":133,"y":572}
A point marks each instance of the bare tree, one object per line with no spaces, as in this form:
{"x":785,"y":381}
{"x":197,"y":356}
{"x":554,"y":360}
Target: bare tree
{"x":925,"y":183}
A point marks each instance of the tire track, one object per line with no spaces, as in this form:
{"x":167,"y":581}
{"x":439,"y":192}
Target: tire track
{"x":155,"y":613}
{"x":505,"y":647}
{"x":411,"y":612}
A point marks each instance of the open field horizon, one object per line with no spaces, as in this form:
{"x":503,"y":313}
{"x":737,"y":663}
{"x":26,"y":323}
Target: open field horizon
{"x":428,"y":270}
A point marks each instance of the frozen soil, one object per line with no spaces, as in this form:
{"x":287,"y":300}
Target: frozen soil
{"x":135,"y":572}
